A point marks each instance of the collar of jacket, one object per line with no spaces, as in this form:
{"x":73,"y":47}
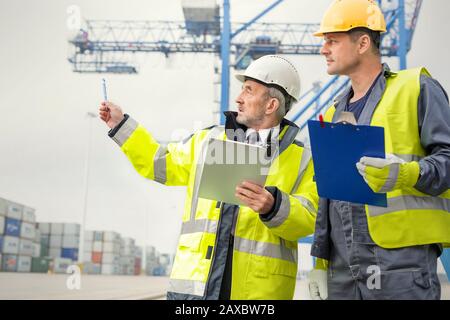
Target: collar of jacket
{"x":288,"y":130}
{"x":386,"y":73}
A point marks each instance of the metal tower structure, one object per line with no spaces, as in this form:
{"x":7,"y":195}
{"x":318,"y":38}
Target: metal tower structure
{"x":108,"y":46}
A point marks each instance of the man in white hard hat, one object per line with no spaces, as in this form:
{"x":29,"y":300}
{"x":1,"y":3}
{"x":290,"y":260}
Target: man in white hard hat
{"x":227,"y":251}
{"x":384,"y":252}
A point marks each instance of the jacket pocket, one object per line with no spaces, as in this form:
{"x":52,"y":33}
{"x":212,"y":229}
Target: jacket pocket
{"x":266,"y":267}
{"x":190,"y":241}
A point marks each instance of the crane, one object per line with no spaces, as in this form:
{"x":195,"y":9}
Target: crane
{"x":106,"y":46}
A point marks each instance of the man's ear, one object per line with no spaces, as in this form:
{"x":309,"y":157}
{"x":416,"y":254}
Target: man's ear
{"x":364,"y":43}
{"x":272,"y":106}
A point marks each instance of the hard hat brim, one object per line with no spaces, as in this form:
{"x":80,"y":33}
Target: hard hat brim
{"x":240,"y":77}
{"x":321,"y":33}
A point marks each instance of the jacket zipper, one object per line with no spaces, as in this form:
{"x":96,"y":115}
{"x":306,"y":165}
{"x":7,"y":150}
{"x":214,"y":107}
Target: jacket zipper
{"x":214,"y":251}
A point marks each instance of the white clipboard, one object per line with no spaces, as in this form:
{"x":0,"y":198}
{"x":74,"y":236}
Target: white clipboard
{"x":225,"y":164}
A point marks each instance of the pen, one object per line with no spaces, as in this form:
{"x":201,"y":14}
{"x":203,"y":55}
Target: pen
{"x":322,"y":124}
{"x":104,"y":90}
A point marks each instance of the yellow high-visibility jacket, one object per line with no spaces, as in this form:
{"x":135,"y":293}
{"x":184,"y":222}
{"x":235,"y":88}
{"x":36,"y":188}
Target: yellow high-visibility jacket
{"x":264,"y":255}
{"x":411,"y":217}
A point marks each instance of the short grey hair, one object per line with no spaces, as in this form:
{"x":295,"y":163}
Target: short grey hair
{"x":273,"y":92}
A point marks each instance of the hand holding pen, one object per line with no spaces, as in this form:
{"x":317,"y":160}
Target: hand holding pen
{"x":110,"y":113}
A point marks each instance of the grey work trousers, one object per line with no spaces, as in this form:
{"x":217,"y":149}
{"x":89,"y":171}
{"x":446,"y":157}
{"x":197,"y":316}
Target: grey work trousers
{"x":361,"y":270}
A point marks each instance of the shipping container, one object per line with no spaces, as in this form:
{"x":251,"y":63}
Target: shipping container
{"x":70,"y":241}
{"x":12,"y":227}
{"x":2,"y":225}
{"x":29,"y":215}
{"x":98,"y":236}
{"x":45,"y":240}
{"x":91,"y":268}
{"x":110,"y":258}
{"x":89,"y":236}
{"x":97,"y":246}
{"x":44,"y":227}
{"x":26,"y":248}
{"x":23,"y":263}
{"x":14,"y":210}
{"x":138,"y":252}
{"x":54,"y":252}
{"x":129,"y":270}
{"x":56,"y":228}
{"x":37,"y":236}
{"x":137,"y":271}
{"x":60,"y":265}
{"x":45,"y":251}
{"x":55,"y":241}
{"x":71,"y":228}
{"x":9,"y":262}
{"x":88,"y":245}
{"x":111,"y":236}
{"x":70,"y":253}
{"x":36,"y":250}
{"x":110,"y":269}
{"x":127,"y":251}
{"x":150,"y":251}
{"x":27,"y":230}
{"x":128,"y":241}
{"x":40,"y":265}
{"x":87,"y":256}
{"x":87,"y":267}
{"x":97,"y":268}
{"x":3,"y":207}
{"x":10,"y":245}
{"x":137,"y":262}
{"x":127,"y":261}
{"x":159,"y":271}
{"x":111,"y":247}
{"x":164,"y":259}
{"x":96,"y":257}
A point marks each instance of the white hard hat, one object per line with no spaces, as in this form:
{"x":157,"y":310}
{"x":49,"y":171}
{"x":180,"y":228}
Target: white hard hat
{"x":275,"y":70}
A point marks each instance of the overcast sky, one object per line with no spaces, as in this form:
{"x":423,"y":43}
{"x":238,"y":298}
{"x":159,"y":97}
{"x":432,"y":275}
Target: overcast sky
{"x":44,"y":131}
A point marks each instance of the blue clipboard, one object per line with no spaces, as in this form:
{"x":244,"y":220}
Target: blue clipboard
{"x":336,"y":148}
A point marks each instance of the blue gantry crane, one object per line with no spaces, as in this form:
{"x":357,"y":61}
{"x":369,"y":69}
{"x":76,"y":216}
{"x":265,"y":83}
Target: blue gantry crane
{"x":106,"y":46}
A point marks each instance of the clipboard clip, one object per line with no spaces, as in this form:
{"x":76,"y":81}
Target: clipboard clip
{"x":346,"y":117}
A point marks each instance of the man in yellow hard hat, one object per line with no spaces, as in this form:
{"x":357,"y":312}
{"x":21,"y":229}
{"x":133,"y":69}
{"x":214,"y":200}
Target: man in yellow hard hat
{"x":370,"y":252}
{"x":226,"y":251}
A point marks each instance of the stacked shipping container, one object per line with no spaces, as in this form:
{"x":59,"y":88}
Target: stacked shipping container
{"x":39,"y":247}
{"x":107,"y":253}
{"x":17,"y":236}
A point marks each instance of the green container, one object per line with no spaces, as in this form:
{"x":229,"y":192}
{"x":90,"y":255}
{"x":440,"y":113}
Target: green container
{"x":44,"y":251}
{"x":40,"y":265}
{"x":45,"y":240}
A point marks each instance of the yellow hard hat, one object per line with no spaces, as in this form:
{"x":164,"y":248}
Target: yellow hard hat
{"x":344,"y":15}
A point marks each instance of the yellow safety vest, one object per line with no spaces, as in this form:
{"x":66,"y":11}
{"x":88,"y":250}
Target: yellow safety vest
{"x":411,"y":217}
{"x":265,"y":253}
